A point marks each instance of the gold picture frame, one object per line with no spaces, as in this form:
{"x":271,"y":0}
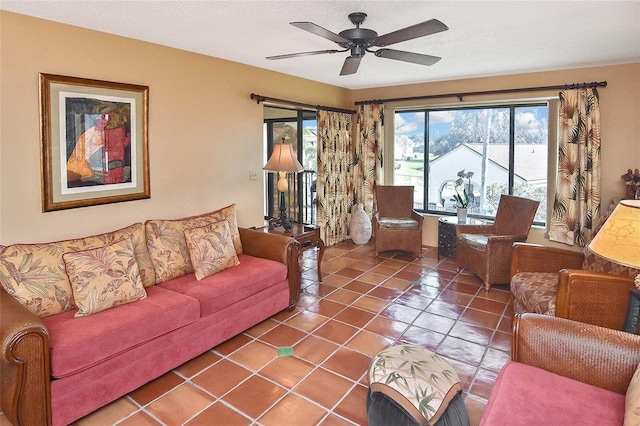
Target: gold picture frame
{"x":95,"y":147}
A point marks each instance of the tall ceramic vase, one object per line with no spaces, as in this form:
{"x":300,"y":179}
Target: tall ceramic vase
{"x":360,"y":226}
{"x":462,"y":214}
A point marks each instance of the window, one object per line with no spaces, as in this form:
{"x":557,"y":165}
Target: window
{"x":299,"y":129}
{"x":504,"y":146}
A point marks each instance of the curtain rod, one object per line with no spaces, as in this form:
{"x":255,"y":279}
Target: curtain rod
{"x":491,"y":92}
{"x":260,"y":98}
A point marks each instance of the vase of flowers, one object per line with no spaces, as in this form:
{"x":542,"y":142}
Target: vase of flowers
{"x":462,"y":200}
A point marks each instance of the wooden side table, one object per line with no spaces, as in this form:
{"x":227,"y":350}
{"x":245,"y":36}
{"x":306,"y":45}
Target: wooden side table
{"x":307,"y":235}
{"x":447,"y":234}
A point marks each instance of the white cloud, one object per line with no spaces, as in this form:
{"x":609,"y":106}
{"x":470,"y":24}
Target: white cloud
{"x":441,"y":117}
{"x":404,"y":126}
{"x":528,"y":122}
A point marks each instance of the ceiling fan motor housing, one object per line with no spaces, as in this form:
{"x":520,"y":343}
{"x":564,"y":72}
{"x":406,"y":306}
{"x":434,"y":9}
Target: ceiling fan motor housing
{"x":358,"y":37}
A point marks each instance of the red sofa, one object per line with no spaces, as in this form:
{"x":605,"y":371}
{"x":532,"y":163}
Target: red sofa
{"x":58,"y":368}
{"x":565,"y":372}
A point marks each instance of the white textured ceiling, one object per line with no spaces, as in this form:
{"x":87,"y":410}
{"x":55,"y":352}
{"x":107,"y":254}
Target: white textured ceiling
{"x":484,"y":38}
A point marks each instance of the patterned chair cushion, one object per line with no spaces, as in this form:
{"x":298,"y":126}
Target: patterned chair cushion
{"x":594,"y":263}
{"x":535,"y":292}
{"x":476,"y":241}
{"x":398,"y":223}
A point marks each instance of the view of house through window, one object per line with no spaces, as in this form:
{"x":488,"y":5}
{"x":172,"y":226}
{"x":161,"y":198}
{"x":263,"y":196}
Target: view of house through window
{"x":299,"y":129}
{"x":505,"y":147}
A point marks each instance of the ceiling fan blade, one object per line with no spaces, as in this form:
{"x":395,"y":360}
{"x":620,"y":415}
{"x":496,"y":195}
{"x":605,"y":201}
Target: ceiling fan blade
{"x":422,"y":29}
{"x":351,"y":65}
{"x":318,"y":30}
{"x":399,"y":55}
{"x":295,"y":55}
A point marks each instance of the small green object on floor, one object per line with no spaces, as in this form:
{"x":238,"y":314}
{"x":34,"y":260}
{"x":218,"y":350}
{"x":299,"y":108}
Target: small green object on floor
{"x":285,"y":351}
{"x":416,"y":282}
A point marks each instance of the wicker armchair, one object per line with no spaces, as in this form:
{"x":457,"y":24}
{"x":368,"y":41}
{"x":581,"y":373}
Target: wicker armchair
{"x":396,"y":225}
{"x":597,"y":356}
{"x":486,"y":249}
{"x":570,"y":285}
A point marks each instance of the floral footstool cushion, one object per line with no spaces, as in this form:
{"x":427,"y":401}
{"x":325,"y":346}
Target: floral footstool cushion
{"x":410,"y":385}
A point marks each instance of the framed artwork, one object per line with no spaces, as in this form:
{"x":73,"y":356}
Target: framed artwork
{"x":94,"y":138}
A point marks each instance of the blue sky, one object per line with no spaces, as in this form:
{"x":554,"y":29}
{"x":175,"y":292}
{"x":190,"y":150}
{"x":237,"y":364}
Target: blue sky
{"x":412,"y":123}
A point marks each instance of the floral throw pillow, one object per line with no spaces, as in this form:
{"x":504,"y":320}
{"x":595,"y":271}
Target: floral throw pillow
{"x":632,"y":401}
{"x":34,"y":274}
{"x":167,"y":245}
{"x":104,"y":277}
{"x":211,"y":249}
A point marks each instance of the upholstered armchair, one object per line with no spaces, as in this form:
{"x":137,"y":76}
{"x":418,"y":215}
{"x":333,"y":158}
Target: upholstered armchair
{"x":580,"y":286}
{"x":569,"y":284}
{"x":396,"y":225}
{"x":486,"y":249}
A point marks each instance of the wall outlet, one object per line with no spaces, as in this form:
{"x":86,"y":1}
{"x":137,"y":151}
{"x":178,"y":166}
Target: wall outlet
{"x":253,"y":175}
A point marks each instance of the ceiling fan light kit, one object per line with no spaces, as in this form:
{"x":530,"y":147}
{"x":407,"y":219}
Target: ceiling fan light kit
{"x":358,"y":40}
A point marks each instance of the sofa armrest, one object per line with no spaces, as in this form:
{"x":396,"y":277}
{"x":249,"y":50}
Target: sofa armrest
{"x":536,"y":258}
{"x":25,"y":396}
{"x":595,"y":355}
{"x":281,"y":248}
{"x":593,"y":297}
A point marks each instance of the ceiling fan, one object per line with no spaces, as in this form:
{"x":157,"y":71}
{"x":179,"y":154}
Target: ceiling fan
{"x":359,"y":40}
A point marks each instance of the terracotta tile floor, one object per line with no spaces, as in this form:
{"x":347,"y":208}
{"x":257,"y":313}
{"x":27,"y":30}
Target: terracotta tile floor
{"x":363,"y":305}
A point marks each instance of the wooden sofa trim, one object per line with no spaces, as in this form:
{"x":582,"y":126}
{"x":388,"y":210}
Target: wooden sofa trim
{"x":24,"y":365}
{"x":281,"y":248}
{"x":593,"y":297}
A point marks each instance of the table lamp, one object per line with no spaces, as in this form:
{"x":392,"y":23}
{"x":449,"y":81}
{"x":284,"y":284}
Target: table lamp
{"x":619,"y":241}
{"x":283,"y":160}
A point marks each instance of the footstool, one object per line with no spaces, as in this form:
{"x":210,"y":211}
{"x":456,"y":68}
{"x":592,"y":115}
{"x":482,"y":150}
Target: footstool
{"x":410,"y":385}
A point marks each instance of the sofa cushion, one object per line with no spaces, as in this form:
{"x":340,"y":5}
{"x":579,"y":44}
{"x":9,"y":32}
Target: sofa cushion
{"x":221,"y":290}
{"x":535,"y":292}
{"x":168,"y":247}
{"x":398,"y":223}
{"x":104,"y":277}
{"x":632,"y":401}
{"x":79,"y":343}
{"x":210,"y":249}
{"x":35,"y":275}
{"x":527,"y":395}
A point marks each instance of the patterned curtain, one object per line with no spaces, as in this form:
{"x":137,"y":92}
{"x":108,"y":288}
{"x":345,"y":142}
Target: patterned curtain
{"x":367,"y":159}
{"x":335,"y":178}
{"x":577,"y":201}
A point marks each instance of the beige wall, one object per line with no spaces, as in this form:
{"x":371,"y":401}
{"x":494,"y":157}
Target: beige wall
{"x":205,"y":133}
{"x":619,"y":117}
